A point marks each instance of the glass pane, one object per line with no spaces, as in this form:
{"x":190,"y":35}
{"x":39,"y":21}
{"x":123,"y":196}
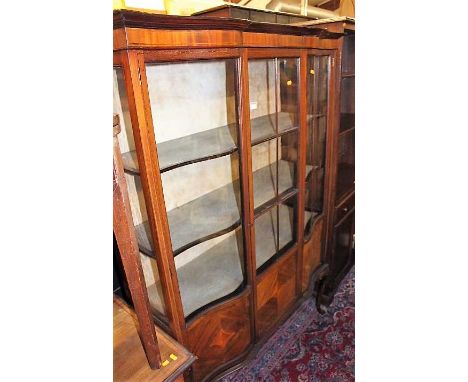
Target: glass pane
{"x":210,"y":271}
{"x":194,"y":108}
{"x":322,"y":84}
{"x":262,"y":93}
{"x":274,"y":102}
{"x":348,"y":54}
{"x":342,"y":243}
{"x":347,"y":104}
{"x":288,"y":115}
{"x":264,"y":160}
{"x":317,"y":113}
{"x":287,"y":213}
{"x":345,"y":174}
{"x":287,"y":163}
{"x":135,"y":194}
{"x":266,"y":236}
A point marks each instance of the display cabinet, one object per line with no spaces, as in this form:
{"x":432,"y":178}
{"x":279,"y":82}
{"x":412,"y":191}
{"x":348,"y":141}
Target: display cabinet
{"x":226,"y":143}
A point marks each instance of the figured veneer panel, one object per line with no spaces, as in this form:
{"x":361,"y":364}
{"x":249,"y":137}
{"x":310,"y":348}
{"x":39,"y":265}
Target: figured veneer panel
{"x":212,"y":275}
{"x":312,"y":253}
{"x":276,"y":292}
{"x":220,"y":335}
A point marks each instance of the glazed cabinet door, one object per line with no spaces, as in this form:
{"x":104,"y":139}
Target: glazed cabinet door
{"x":274,"y":131}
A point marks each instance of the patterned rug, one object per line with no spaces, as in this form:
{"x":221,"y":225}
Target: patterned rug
{"x":309,"y":347}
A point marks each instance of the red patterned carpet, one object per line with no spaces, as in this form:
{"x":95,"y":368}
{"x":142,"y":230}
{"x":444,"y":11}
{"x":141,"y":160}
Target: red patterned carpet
{"x":309,"y":347}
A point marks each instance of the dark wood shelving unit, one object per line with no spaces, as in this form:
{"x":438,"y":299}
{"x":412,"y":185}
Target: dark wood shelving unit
{"x":346,"y":122}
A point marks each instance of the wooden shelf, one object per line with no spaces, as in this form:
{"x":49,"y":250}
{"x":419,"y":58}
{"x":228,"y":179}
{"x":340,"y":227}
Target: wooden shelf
{"x":217,"y":272}
{"x":347,"y":75}
{"x":210,"y":144}
{"x":263,"y":128}
{"x":216,"y":212}
{"x":346,"y":122}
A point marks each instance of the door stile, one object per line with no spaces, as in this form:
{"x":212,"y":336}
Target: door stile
{"x":247,"y":184}
{"x":145,"y":143}
{"x":332,"y":150}
{"x":301,"y":165}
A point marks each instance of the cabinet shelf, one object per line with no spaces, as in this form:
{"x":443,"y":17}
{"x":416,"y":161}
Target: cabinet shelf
{"x":192,"y":148}
{"x":347,"y":74}
{"x":210,"y":144}
{"x":217,"y":272}
{"x":200,"y":219}
{"x":263,"y":128}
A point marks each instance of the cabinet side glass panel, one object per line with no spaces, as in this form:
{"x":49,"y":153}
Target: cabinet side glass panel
{"x":135,"y":194}
{"x":318,"y":68}
{"x":195,"y":116}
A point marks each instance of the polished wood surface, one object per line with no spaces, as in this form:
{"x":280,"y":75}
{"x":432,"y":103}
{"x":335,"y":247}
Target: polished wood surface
{"x":130,"y":363}
{"x":220,"y":334}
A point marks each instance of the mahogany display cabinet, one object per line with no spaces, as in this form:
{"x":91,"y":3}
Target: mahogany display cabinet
{"x":227,"y":144}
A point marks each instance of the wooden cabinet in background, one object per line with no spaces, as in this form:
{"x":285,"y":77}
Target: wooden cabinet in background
{"x":227,"y":139}
{"x":340,"y":230}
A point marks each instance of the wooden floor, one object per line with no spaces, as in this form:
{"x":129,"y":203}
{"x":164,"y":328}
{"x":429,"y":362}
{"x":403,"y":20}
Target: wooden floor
{"x":130,"y":362}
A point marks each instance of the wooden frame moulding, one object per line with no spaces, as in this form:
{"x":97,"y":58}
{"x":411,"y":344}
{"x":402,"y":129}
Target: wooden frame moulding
{"x":145,"y":143}
{"x":332,"y":149}
{"x":248,"y":218}
{"x":128,"y":249}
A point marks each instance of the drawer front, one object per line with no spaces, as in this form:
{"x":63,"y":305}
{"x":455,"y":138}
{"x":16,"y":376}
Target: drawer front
{"x":343,"y":208}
